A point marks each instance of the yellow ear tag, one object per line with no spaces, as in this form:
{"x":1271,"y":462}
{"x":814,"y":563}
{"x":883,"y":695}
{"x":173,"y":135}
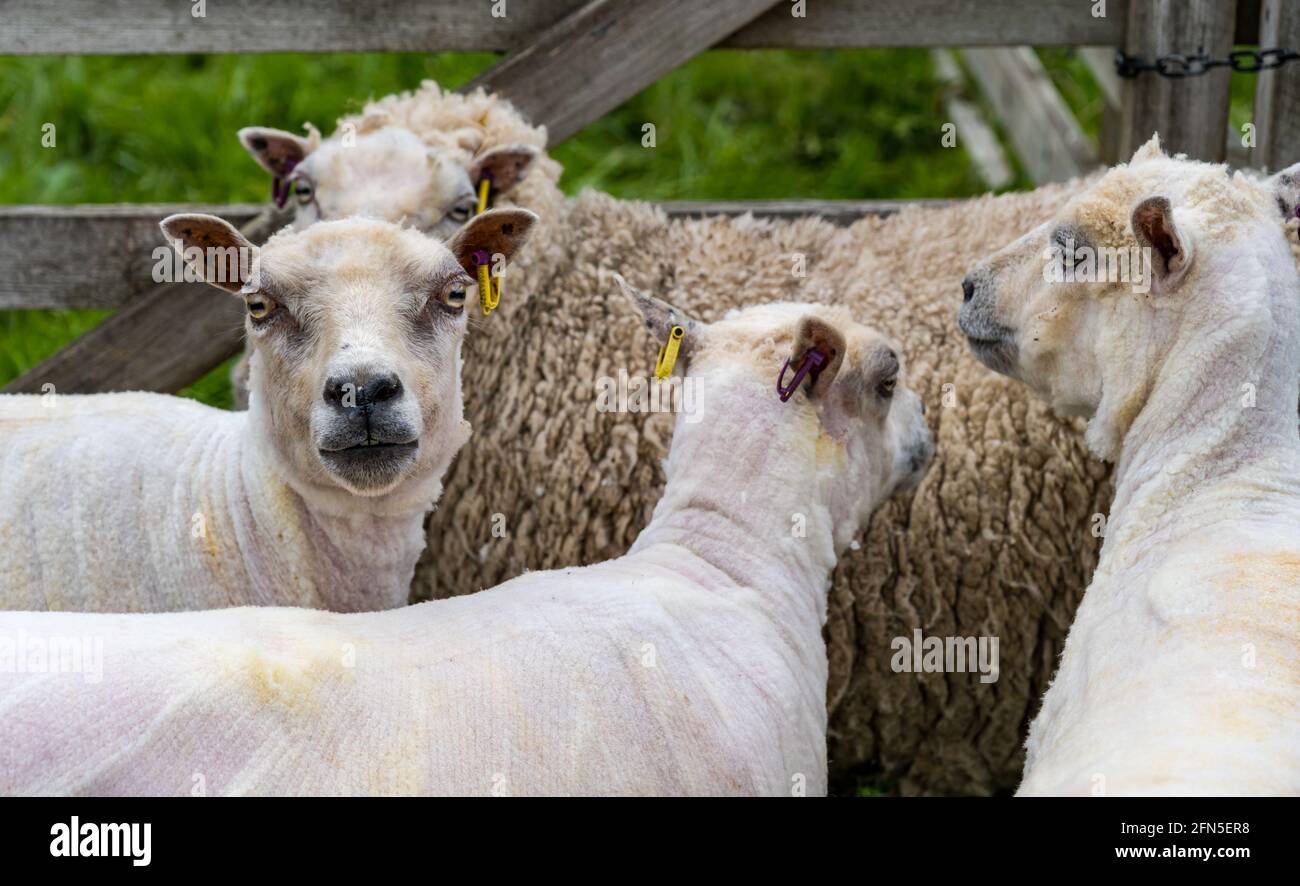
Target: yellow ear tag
{"x":489,"y":290}
{"x":483,"y":196}
{"x":668,"y":354}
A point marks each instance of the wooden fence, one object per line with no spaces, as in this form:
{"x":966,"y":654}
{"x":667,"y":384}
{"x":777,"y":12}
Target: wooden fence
{"x":569,"y":62}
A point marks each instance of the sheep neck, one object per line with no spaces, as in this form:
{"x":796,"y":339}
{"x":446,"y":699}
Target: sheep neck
{"x":1198,"y":449}
{"x":744,"y":495}
{"x":356,"y":554}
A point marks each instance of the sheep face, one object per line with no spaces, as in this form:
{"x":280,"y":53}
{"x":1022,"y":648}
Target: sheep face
{"x":869,"y":433}
{"x":387,"y":173}
{"x":872,"y":437}
{"x":355,"y":329}
{"x":1081,"y":308}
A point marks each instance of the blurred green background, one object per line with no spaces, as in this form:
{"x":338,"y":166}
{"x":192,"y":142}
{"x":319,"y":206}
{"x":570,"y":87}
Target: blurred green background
{"x":847,"y":124}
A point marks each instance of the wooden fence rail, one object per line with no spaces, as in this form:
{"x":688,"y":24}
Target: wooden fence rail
{"x":103,"y":256}
{"x":167,"y":26}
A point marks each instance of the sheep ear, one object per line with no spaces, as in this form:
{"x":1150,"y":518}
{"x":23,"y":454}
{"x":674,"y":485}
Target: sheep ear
{"x":495,"y":232}
{"x":814,"y":332}
{"x":1171,"y":250}
{"x":505,"y":166}
{"x":213,"y":249}
{"x":275,"y":150}
{"x":661,"y":317}
{"x":1285,"y":186}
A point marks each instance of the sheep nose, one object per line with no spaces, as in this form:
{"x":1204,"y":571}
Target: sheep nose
{"x":967,"y":289}
{"x":347,"y":393}
{"x":381,"y":389}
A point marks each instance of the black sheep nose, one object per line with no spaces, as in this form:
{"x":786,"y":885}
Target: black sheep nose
{"x":967,"y":289}
{"x":344,"y":393}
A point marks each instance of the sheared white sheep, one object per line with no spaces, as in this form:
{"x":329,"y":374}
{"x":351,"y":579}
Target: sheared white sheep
{"x":314,"y":497}
{"x":695,"y":664}
{"x":1180,"y":672}
{"x":990,"y":545}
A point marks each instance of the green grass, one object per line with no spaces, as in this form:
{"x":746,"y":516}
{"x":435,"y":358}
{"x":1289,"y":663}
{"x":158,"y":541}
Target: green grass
{"x":755,"y":125}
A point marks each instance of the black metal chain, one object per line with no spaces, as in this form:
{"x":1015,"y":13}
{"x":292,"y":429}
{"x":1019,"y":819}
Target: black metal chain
{"x":1177,"y":66}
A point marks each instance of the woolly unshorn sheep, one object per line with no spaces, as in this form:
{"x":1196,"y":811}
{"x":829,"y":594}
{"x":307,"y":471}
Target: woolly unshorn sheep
{"x":998,"y":541}
{"x":417,"y":164}
{"x":314,"y":497}
{"x":1180,"y":671}
{"x":695,"y":664}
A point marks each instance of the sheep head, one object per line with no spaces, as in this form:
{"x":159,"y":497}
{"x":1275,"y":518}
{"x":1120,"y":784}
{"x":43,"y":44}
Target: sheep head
{"x":386,"y":172}
{"x":870,"y":431}
{"x":354,"y":328}
{"x":1085,"y":308}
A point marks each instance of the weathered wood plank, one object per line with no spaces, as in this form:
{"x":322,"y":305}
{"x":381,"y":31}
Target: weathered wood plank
{"x":159,"y":342}
{"x":935,"y":23}
{"x":86,"y":256}
{"x":123,"y":27}
{"x":1277,"y":94}
{"x":102,"y":256}
{"x":1045,"y":134}
{"x":1101,"y":64}
{"x":168,"y":26}
{"x":839,"y":212}
{"x":974,"y":134}
{"x":1191,"y":114}
{"x":607,"y":52}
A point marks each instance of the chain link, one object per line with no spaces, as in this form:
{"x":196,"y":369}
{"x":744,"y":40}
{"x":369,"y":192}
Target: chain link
{"x":1178,"y":66}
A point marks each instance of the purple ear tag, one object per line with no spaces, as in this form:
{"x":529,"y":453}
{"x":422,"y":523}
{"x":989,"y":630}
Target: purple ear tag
{"x":280,"y":185}
{"x":811,"y":365}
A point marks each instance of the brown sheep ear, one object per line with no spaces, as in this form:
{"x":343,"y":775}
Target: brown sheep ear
{"x":814,"y":332}
{"x":275,"y":150}
{"x":660,"y":317}
{"x":213,"y":249}
{"x":495,"y":232}
{"x":505,"y":166}
{"x":1171,"y":251}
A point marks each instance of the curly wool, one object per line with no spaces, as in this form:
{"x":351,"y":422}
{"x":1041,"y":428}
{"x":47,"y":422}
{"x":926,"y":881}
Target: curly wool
{"x":466,"y":123}
{"x":997,"y":541}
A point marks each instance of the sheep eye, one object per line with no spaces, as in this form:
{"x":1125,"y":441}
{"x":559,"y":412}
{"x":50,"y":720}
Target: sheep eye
{"x":886,"y":388}
{"x":456,"y":297}
{"x":461,"y":212}
{"x":305,"y":192}
{"x":260,"y":308}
